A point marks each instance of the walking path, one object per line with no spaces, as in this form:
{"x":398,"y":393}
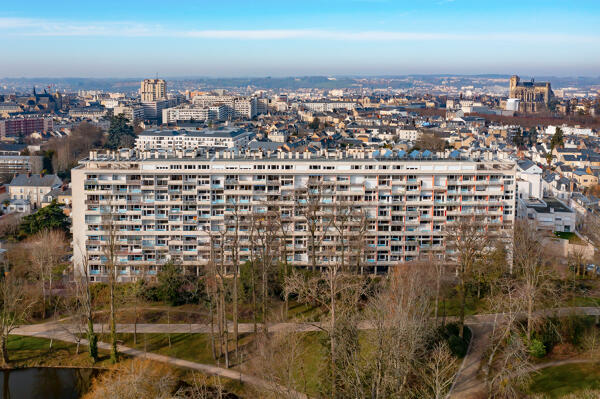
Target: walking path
{"x":467,"y":384}
{"x":62,"y":334}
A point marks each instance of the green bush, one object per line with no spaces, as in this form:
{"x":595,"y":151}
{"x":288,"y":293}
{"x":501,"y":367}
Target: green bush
{"x":458,"y":346}
{"x":537,"y":348}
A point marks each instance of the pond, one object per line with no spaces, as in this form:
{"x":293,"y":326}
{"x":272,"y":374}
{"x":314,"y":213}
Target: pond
{"x":46,"y":383}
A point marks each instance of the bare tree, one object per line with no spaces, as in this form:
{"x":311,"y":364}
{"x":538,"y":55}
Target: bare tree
{"x":469,"y":243}
{"x":308,"y":203}
{"x":279,"y":361}
{"x":332,"y":289}
{"x":15,"y":307}
{"x":507,"y":367}
{"x":233,"y":222}
{"x":135,"y":379}
{"x":266,"y":230}
{"x":437,"y":372}
{"x":47,"y":249}
{"x":110,"y":253}
{"x":83,"y":297}
{"x":532,"y":269}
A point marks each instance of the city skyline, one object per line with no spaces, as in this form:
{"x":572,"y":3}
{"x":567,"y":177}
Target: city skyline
{"x":359,"y":37}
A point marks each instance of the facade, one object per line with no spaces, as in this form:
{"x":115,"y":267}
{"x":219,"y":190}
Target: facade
{"x":93,"y":113}
{"x":190,"y":140}
{"x":32,"y":187}
{"x":11,"y":164}
{"x":328,"y":106}
{"x":24,"y":126}
{"x":196,"y":113}
{"x":548,"y":214}
{"x":153,"y":90}
{"x":159,"y":206}
{"x":533,"y":96}
{"x":135,"y":113}
{"x":153,"y":110}
{"x":237,"y":107}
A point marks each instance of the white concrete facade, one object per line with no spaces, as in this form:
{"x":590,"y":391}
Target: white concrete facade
{"x":172,"y":206}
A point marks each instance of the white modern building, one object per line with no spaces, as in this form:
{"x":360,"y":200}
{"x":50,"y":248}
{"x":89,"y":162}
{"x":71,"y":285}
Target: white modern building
{"x":548,"y":214}
{"x":328,"y":106}
{"x":221,"y":138}
{"x":371,"y":210}
{"x":196,"y":113}
{"x":529,"y":180}
{"x":153,"y":110}
{"x":237,"y":107}
{"x":135,"y":113}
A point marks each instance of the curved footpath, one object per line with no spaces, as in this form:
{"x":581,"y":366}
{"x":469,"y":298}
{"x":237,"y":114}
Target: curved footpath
{"x":467,"y":384}
{"x":52,"y":331}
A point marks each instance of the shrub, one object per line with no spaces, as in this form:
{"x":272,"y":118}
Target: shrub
{"x":537,"y":348}
{"x":458,"y":346}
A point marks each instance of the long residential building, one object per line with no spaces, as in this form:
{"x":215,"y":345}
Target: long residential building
{"x":196,"y":113}
{"x":221,"y":138}
{"x":237,"y":107}
{"x":368,"y":210}
{"x":24,"y":126}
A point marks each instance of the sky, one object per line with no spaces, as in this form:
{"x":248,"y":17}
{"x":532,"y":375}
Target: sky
{"x":130,"y":38}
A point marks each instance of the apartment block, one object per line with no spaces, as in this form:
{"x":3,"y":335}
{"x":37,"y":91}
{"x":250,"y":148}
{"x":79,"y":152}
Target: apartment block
{"x":196,"y":113}
{"x":226,"y":137}
{"x":367,"y":209}
{"x":153,"y":90}
{"x":24,"y":126}
{"x":135,"y":113}
{"x":237,"y":107}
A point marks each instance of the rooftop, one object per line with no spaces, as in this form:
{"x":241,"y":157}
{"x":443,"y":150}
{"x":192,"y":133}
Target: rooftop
{"x":225,"y":132}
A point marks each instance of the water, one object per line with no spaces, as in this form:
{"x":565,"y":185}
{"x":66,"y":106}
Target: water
{"x":45,"y":383}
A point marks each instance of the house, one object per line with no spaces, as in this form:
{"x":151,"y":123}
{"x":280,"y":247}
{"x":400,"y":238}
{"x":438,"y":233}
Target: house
{"x":529,"y":179}
{"x":585,"y":177}
{"x":32,"y":187}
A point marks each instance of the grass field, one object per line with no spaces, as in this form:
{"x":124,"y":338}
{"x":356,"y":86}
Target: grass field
{"x":555,"y":382}
{"x":36,"y":352}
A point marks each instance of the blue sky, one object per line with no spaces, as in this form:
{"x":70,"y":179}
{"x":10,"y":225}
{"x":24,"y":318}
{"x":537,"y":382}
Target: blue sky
{"x":304,"y":37}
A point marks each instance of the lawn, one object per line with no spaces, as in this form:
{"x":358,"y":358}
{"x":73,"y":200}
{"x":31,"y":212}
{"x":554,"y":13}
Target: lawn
{"x":572,"y":237}
{"x":34,"y":352}
{"x":555,"y":382}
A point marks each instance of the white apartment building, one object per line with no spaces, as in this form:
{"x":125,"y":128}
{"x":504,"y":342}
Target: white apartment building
{"x":370,"y":212}
{"x":222,"y":138}
{"x":408,"y":134}
{"x":153,"y":110}
{"x":135,"y":113}
{"x":196,"y":113}
{"x":328,"y":106}
{"x":238,"y":107}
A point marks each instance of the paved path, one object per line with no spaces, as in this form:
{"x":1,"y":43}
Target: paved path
{"x":59,"y":333}
{"x":467,"y":384}
{"x":557,"y":363}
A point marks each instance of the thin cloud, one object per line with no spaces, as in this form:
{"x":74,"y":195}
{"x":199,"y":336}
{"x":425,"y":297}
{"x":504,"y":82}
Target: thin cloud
{"x":32,"y":27}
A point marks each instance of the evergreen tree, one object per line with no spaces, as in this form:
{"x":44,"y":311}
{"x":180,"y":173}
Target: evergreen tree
{"x":558,"y":139}
{"x":50,"y":217}
{"x":120,"y":133}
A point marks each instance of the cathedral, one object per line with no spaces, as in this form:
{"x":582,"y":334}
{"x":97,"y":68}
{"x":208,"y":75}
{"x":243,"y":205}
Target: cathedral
{"x":533,"y":96}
